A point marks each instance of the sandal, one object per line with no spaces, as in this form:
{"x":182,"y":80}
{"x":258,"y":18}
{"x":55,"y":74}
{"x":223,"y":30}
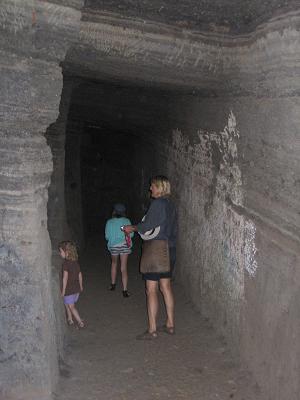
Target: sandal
{"x":112,"y":287}
{"x":170,"y":330}
{"x":70,"y":322}
{"x":147,"y":336}
{"x":80,"y":325}
{"x":126,"y":293}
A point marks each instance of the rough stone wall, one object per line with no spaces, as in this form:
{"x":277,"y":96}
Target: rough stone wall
{"x":270,"y":167}
{"x":212,"y":236}
{"x":238,"y":249}
{"x":56,"y":206}
{"x":198,"y":15}
{"x":30,"y":87}
{"x":209,"y":63}
{"x":56,"y":137}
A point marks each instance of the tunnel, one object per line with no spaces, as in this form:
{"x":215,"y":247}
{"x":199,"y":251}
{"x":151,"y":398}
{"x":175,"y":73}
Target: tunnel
{"x":99,"y":96}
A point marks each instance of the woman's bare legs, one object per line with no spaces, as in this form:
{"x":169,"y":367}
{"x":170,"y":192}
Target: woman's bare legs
{"x":166,"y":289}
{"x":152,"y":304}
{"x":124,"y":259}
{"x":114,"y":264}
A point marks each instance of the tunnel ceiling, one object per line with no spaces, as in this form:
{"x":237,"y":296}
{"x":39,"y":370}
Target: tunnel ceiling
{"x":234,"y":16}
{"x":205,"y":46}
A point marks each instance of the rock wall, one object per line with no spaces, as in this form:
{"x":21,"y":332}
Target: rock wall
{"x":56,"y":206}
{"x":56,"y":138}
{"x":238,"y":246}
{"x":30,"y":87}
{"x":212,"y":235}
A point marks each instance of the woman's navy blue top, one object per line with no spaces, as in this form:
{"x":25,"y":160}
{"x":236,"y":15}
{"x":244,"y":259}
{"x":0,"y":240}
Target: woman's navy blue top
{"x":162,"y":212}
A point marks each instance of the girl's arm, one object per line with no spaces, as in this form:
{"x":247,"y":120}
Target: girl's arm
{"x":80,"y":281}
{"x":107,"y":230}
{"x":64,"y":283}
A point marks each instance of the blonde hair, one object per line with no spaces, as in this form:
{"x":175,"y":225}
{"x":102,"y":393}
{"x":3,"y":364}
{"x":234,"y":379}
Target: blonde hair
{"x":163,"y":184}
{"x":70,"y":250}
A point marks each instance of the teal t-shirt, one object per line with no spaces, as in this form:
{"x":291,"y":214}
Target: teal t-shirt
{"x":113,"y":233}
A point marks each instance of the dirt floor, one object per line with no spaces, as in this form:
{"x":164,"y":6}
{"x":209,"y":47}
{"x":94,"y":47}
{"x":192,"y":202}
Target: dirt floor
{"x":106,"y":362}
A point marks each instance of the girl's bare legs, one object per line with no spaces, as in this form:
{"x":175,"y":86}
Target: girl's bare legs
{"x":76,"y":315}
{"x":114,"y":264}
{"x":69,"y":315}
{"x":166,"y":289}
{"x":124,"y":259}
{"x":152,"y":304}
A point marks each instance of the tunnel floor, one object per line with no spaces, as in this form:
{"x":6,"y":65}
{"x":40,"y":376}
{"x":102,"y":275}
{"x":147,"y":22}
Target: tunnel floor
{"x":105,"y":361}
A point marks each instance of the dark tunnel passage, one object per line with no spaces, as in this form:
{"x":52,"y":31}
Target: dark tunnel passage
{"x":109,"y":146}
{"x":113,"y":136}
{"x":106,"y":175}
{"x":97,"y":97}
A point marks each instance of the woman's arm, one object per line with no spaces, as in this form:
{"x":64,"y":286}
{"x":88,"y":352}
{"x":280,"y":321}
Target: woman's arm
{"x":155,"y":216}
{"x":64,"y":283}
{"x":131,"y":233}
{"x":80,"y":281}
{"x":129,"y":229}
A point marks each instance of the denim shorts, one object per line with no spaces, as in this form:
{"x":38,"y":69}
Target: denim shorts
{"x":71,"y":299}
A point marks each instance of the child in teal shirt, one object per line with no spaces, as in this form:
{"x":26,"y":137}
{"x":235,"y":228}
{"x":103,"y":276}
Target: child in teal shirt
{"x":118,"y":246}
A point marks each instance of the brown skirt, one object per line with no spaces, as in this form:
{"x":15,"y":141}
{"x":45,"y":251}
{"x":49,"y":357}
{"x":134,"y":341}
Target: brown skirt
{"x":155,"y":257}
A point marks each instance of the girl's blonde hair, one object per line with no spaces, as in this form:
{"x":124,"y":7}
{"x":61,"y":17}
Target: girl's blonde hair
{"x":163,"y":184}
{"x":70,"y":250}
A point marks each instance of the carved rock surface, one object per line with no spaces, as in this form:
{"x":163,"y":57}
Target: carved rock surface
{"x":216,"y":109}
{"x":34,"y":39}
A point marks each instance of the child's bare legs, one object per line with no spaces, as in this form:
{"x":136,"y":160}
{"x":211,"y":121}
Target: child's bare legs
{"x":75,"y":314}
{"x":69,"y":315}
{"x":124,"y":259}
{"x":114,"y":264}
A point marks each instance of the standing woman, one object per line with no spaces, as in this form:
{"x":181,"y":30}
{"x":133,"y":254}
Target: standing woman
{"x":161,"y":218}
{"x":118,"y":245}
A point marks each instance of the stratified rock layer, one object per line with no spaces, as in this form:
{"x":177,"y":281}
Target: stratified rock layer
{"x":31,"y":84}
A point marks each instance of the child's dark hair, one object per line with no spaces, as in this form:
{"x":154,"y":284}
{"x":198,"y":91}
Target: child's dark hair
{"x":70,"y":250}
{"x":119,"y":210}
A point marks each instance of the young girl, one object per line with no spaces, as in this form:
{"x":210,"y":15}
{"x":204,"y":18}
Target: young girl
{"x":71,"y":281}
{"x":118,"y":245}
